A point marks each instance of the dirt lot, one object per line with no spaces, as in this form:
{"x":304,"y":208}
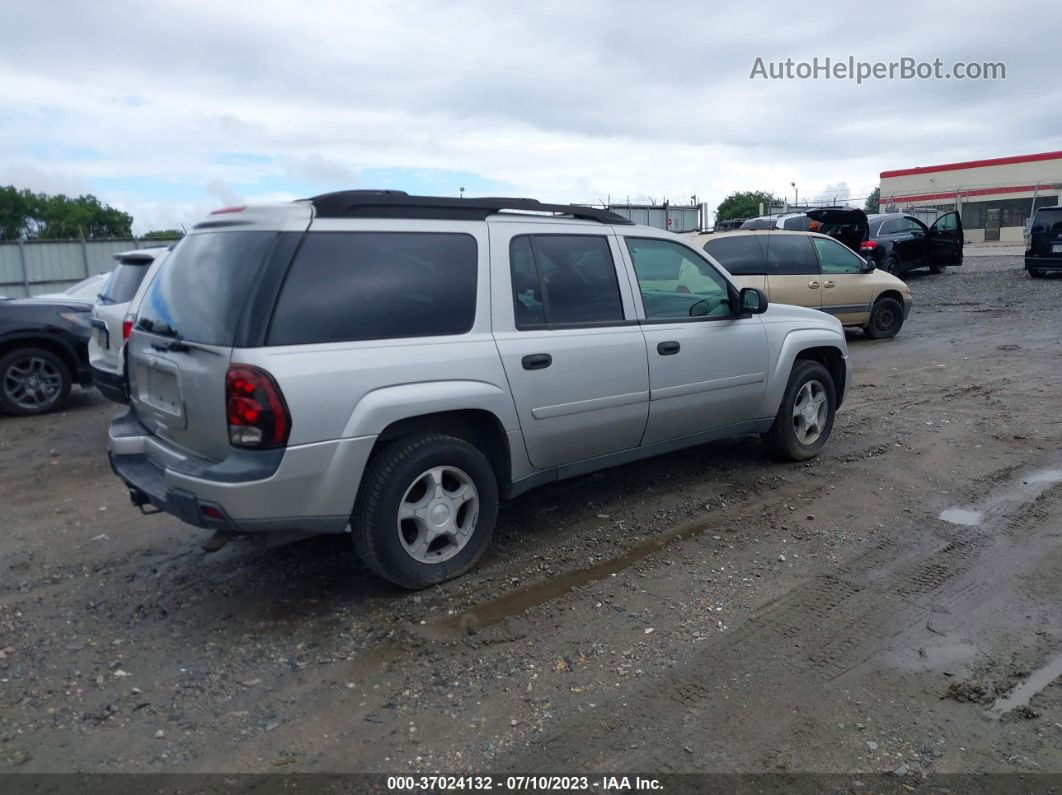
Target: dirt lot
{"x":703,"y":611}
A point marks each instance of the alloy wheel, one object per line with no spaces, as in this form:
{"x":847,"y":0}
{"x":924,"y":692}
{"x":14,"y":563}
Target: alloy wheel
{"x":438,"y":514}
{"x":32,"y":383}
{"x":809,"y":412}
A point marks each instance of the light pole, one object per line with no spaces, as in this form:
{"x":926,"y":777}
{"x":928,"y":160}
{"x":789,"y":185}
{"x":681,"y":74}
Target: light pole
{"x":462,"y":193}
{"x":796,"y":194}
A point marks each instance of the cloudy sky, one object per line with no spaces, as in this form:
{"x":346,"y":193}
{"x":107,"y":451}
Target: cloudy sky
{"x":170,"y":109}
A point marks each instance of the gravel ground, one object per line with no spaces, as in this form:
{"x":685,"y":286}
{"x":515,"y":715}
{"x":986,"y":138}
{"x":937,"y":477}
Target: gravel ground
{"x":702,"y":611}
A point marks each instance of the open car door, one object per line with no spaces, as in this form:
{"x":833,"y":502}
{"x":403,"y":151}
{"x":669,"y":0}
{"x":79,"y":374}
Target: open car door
{"x":848,"y":225}
{"x":945,"y":240}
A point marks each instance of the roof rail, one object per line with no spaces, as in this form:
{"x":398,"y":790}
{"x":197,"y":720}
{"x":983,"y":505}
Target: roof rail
{"x":398,"y":204}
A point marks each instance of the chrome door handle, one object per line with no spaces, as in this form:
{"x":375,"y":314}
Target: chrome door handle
{"x":828,"y":284}
{"x":814,"y":285}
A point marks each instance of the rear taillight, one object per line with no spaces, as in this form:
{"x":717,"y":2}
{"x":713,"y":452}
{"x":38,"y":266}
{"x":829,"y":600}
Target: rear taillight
{"x":127,"y":327}
{"x":868,"y":245}
{"x":257,"y":414}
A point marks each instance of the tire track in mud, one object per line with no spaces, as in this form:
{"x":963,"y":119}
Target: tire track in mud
{"x":820,"y":630}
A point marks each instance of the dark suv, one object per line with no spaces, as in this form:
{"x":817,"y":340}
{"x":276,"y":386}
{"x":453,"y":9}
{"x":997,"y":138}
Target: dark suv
{"x":1043,"y":249}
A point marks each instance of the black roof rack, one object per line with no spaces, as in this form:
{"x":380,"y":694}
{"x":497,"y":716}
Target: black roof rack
{"x":398,"y":204}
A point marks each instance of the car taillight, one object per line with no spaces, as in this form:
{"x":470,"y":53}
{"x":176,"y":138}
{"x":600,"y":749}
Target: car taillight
{"x":257,"y":414}
{"x":867,"y":245}
{"x":127,"y":327}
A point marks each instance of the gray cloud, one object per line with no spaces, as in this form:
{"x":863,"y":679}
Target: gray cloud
{"x":564,"y":100}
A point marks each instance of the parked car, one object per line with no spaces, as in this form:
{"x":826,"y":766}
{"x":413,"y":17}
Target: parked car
{"x":391,"y":365}
{"x":813,"y":270}
{"x":112,"y":318}
{"x":43,"y":352}
{"x":792,"y":221}
{"x":85,"y":291}
{"x":896,"y":242}
{"x":1043,"y":247}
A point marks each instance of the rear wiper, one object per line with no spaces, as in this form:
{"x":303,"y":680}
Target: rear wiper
{"x":182,"y":346}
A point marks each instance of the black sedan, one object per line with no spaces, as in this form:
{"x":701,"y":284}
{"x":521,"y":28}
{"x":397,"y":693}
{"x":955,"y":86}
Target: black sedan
{"x":895,"y":242}
{"x":43,"y":352}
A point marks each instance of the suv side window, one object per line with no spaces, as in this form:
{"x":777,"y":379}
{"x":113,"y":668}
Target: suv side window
{"x":675,"y":282}
{"x":346,"y":286}
{"x":739,"y":254}
{"x":789,"y":255}
{"x":563,"y":280}
{"x":836,"y":258}
{"x":914,"y":226}
{"x":891,"y":227}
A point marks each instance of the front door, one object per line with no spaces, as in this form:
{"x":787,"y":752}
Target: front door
{"x":569,"y":340}
{"x":707,"y":364}
{"x":846,"y":287}
{"x":991,"y":223}
{"x":945,"y":240}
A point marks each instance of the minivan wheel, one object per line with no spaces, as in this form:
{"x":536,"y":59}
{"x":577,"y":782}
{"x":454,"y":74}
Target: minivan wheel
{"x":33,"y":381}
{"x":886,"y":319}
{"x":426,"y":510}
{"x":805,"y":418}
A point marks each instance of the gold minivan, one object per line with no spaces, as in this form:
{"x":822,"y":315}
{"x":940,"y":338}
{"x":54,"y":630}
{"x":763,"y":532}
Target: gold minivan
{"x":813,"y":270}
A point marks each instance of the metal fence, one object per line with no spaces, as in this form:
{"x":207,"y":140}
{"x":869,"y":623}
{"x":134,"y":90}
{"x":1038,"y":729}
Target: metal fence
{"x":34,"y":267}
{"x":676,"y":218}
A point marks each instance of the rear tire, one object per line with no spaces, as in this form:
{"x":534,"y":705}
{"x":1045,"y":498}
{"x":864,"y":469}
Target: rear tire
{"x":891,"y":264}
{"x":790,"y":437}
{"x":886,"y":319}
{"x":937,"y":269}
{"x":426,"y":510}
{"x":33,"y":381}
{"x":1036,"y":273}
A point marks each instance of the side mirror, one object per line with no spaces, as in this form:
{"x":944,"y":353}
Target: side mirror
{"x":753,"y":301}
{"x":869,"y":267}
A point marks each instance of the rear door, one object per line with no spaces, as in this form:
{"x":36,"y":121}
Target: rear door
{"x":186,"y":327}
{"x":707,"y":365}
{"x":742,"y":257}
{"x":847,"y":291}
{"x":568,"y":335}
{"x":792,"y":270}
{"x":945,"y":240}
{"x":849,"y":225}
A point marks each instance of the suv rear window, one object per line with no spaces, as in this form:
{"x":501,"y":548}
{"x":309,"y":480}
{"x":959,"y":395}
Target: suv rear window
{"x":200,"y":294}
{"x":346,"y":286}
{"x":739,"y":254}
{"x":123,"y":282}
{"x":1047,"y":221}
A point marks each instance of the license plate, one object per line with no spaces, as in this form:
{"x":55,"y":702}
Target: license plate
{"x":160,"y":389}
{"x":1056,"y":248}
{"x":103,"y":338}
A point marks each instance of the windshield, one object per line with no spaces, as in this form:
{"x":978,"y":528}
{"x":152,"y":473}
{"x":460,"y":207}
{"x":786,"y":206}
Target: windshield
{"x":199,"y":295}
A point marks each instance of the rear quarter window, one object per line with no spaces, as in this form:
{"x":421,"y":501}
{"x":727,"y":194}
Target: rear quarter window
{"x":124,"y":281}
{"x":347,"y":286}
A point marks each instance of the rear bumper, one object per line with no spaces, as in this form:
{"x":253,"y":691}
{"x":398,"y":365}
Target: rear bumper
{"x":308,"y":488}
{"x":111,"y":385}
{"x":1043,"y":263}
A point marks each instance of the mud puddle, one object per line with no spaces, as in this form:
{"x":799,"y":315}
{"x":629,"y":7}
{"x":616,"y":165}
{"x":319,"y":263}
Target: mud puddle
{"x":1023,"y":693}
{"x":1019,"y":492}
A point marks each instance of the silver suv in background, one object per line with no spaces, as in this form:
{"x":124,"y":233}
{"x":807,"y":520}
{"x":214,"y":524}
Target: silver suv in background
{"x":391,"y":366}
{"x":112,"y":318}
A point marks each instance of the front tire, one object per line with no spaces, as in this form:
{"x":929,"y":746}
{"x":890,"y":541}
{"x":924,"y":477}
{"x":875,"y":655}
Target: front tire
{"x":886,"y":319}
{"x":426,"y":510}
{"x":805,"y":418}
{"x":1036,"y":273}
{"x":33,"y":381}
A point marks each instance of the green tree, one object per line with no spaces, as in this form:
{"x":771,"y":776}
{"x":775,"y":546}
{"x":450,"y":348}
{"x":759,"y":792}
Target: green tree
{"x":744,"y":204}
{"x":163,"y":234}
{"x":37,"y":215}
{"x":873,"y":202}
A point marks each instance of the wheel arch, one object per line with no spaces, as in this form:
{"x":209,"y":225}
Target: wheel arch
{"x":59,"y":347}
{"x":812,"y":344}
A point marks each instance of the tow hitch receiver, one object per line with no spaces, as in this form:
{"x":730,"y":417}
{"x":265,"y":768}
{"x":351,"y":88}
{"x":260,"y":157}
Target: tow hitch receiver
{"x":140,"y":500}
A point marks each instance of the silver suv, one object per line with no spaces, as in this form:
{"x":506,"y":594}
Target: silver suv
{"x":390,"y":366}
